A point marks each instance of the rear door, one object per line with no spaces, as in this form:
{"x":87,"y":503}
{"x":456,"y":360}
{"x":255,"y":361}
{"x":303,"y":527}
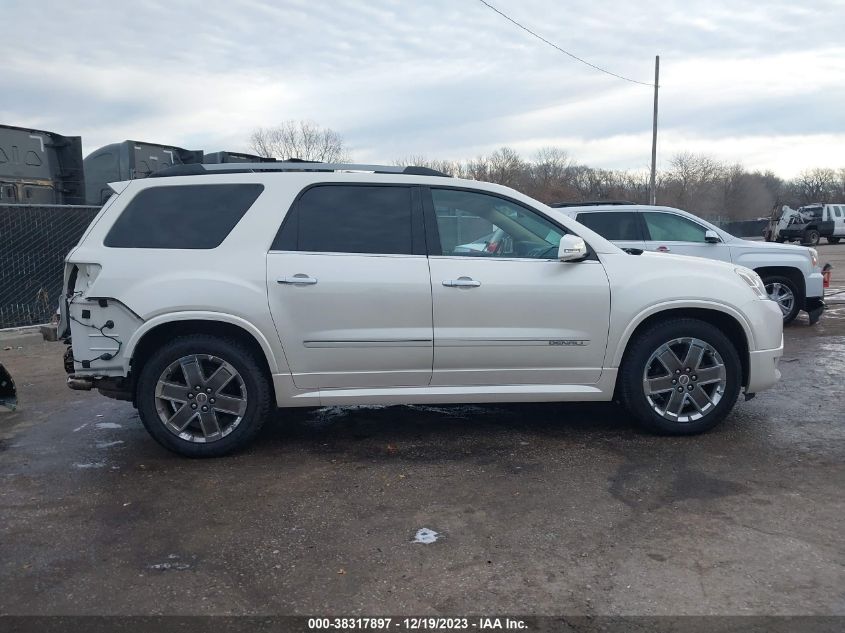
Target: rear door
{"x":623,"y":228}
{"x":349,"y":287}
{"x":668,"y":232}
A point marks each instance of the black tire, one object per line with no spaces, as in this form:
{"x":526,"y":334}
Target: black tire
{"x":254,"y":379}
{"x":811,"y":237}
{"x":770,"y":280}
{"x":634,"y":366}
{"x":780,"y":240}
{"x":833,"y":240}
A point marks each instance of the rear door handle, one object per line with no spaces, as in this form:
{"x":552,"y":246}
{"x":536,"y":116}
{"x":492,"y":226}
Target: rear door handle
{"x":462,"y":282}
{"x":297,"y":280}
{"x":663,"y":249}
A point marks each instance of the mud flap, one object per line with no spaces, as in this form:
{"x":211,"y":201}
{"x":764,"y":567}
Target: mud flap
{"x":815,"y":307}
{"x":8,"y":393}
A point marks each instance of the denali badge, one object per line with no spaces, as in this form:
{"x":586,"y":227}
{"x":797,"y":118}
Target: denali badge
{"x":569,"y":342}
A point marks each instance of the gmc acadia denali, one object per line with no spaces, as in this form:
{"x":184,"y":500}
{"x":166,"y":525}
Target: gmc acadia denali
{"x":208,"y":294}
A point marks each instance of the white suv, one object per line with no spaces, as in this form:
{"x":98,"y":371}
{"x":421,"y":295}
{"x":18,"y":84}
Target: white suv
{"x":791,"y":274}
{"x":206,"y":299}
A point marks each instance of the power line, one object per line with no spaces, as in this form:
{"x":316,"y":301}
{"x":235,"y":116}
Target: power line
{"x":565,"y":52}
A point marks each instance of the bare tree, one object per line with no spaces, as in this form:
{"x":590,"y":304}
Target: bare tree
{"x":299,"y":139}
{"x":817,"y":185}
{"x":695,"y":182}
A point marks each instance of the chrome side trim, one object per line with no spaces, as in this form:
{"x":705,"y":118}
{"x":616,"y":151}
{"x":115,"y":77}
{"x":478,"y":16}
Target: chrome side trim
{"x":510,"y":342}
{"x":421,"y":342}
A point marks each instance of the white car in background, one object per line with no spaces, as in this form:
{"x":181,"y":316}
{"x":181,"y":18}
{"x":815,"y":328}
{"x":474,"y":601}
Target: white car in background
{"x":207,"y":294}
{"x":791,"y":273}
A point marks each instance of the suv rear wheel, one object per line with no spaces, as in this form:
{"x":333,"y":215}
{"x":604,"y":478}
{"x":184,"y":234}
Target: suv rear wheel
{"x":680,"y":377}
{"x":833,"y":240}
{"x":203,"y":396}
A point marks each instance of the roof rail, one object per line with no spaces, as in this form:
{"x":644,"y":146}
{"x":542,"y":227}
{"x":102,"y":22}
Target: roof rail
{"x":290,"y":165}
{"x":589,"y":203}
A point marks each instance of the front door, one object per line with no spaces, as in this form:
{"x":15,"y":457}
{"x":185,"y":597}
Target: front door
{"x":510,"y":313}
{"x":349,"y":288}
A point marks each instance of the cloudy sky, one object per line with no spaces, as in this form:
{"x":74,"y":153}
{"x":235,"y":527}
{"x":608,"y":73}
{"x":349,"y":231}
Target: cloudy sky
{"x":762,"y":83}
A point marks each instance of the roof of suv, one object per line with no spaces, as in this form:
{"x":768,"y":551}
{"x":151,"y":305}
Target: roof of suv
{"x":572,"y":210}
{"x":292,"y":166}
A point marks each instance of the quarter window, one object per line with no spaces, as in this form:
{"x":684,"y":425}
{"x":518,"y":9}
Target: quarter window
{"x":350,"y":219}
{"x":473,"y":224}
{"x":615,"y":225}
{"x":668,"y":227}
{"x":182,"y":217}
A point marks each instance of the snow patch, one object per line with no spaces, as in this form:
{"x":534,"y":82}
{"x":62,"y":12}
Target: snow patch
{"x":108,"y":444}
{"x":87,"y":465}
{"x":108,"y":425}
{"x":426,"y":536}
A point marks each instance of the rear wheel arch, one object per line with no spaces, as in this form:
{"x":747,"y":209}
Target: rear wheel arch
{"x":157,"y":336}
{"x":731,"y":327}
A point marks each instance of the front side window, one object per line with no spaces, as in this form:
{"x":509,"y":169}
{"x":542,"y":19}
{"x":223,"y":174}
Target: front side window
{"x":182,"y":217}
{"x":614,"y":225}
{"x":350,"y":219}
{"x":668,"y":227}
{"x":473,"y":224}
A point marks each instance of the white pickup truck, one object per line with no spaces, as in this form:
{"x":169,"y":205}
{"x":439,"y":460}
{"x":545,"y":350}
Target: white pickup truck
{"x":791,"y":273}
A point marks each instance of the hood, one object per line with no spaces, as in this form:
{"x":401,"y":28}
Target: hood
{"x":689,"y":261}
{"x":771,"y":247}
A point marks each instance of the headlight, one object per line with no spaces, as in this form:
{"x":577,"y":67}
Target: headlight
{"x":814,"y":256}
{"x":753,"y":280}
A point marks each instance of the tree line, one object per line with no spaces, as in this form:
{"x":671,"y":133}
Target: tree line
{"x":698,"y":183}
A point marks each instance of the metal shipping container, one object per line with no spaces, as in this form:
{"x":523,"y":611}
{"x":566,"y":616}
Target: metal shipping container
{"x":39,"y":167}
{"x":129,"y":160}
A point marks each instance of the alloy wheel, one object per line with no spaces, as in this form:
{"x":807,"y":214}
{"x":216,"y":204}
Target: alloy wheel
{"x":782,"y":295}
{"x":200,"y":398}
{"x":684,"y":379}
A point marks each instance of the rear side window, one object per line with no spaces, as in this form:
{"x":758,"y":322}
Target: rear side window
{"x":615,"y":225}
{"x":188,"y":216}
{"x":350,"y":219}
{"x":668,"y":227}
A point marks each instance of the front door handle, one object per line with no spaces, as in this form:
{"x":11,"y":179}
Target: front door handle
{"x":663,"y":249}
{"x":297,"y":280}
{"x":462,"y":282}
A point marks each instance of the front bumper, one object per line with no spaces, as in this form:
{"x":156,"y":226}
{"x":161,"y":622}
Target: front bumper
{"x":763,"y":369}
{"x":814,"y":283}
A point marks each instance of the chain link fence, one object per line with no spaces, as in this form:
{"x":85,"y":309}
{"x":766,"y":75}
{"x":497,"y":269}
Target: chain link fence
{"x":34,"y":241}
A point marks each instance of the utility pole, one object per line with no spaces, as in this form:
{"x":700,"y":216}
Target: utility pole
{"x":654,"y":132}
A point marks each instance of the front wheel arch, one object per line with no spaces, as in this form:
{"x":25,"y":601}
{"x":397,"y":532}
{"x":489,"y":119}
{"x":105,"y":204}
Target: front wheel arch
{"x":730,"y":326}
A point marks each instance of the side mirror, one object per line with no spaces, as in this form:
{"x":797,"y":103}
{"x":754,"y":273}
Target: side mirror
{"x":572,"y":248}
{"x":711,"y":237}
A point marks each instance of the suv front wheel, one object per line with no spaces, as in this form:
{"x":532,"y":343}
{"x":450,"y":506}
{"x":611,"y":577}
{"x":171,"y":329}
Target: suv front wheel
{"x":203,"y":396}
{"x":680,"y":377}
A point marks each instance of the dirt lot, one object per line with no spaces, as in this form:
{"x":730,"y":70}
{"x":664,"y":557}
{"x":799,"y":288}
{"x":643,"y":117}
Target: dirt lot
{"x":544,"y":509}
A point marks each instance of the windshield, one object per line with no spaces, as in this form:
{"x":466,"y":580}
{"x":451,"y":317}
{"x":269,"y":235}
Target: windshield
{"x":813,"y":212}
